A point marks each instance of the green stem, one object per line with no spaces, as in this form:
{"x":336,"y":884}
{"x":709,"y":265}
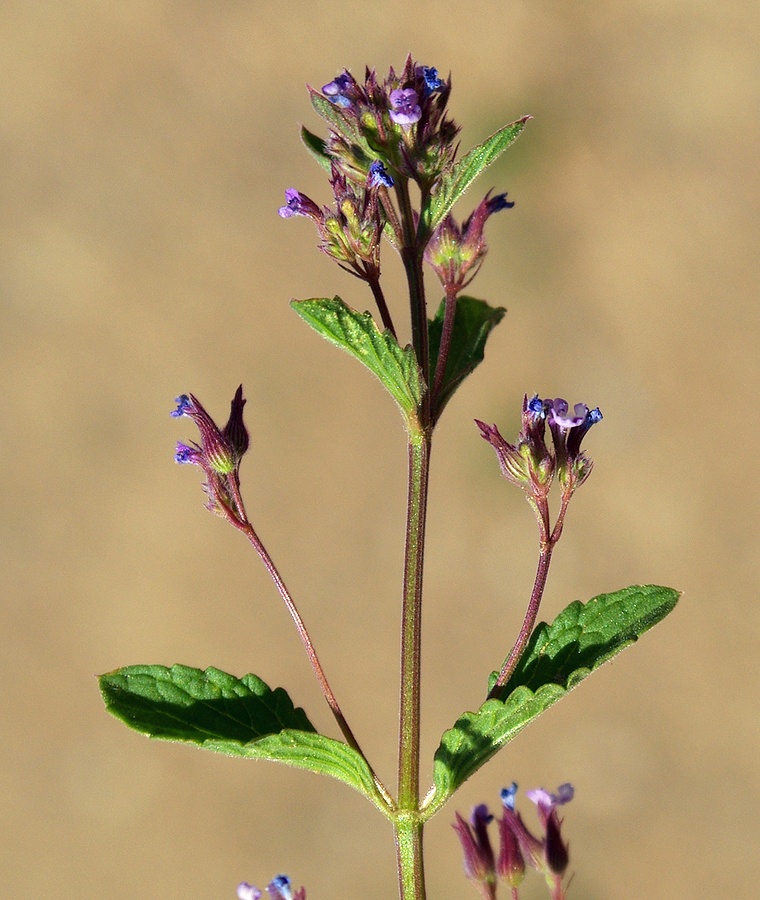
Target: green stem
{"x":408,"y":826}
{"x":407,"y":831}
{"x":411,"y":254}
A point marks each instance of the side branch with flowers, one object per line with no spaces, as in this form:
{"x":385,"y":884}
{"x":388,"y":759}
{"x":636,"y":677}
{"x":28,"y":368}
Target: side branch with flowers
{"x":392,"y":166}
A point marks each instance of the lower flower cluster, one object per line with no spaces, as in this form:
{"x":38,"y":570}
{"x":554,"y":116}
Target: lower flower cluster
{"x":518,"y":847}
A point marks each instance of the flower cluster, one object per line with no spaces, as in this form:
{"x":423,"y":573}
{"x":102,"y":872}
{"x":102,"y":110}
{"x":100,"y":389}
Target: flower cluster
{"x":383,"y":134}
{"x":380,"y":131}
{"x":547,"y":853}
{"x":219,"y":453}
{"x":529,"y":463}
{"x":350,"y":232}
{"x":400,"y":120}
{"x":279,"y":888}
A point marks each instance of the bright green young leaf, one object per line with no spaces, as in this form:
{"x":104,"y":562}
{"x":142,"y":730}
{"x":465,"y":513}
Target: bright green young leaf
{"x":235,"y":716}
{"x":460,"y":176}
{"x":316,"y":147}
{"x":358,"y":334}
{"x":473,"y":322}
{"x":558,"y":657}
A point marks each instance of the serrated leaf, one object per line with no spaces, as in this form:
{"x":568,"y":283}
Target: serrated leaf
{"x":455,"y":181}
{"x":235,"y":716}
{"x":378,"y":350}
{"x":317,"y":148}
{"x":558,"y":657}
{"x":314,"y":752}
{"x":473,"y":322}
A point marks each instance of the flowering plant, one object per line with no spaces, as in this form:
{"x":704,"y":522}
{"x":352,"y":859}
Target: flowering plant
{"x":385,"y":137}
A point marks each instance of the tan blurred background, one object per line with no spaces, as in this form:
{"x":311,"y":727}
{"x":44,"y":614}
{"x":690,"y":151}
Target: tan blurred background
{"x":145,"y":149}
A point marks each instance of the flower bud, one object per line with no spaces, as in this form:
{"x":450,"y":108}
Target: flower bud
{"x":479,"y":863}
{"x":528,"y":464}
{"x":456,"y":253}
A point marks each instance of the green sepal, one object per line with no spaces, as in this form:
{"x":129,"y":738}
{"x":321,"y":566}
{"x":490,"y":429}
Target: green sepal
{"x":234,"y":716}
{"x":378,"y":350}
{"x":455,"y":180}
{"x":558,"y":657}
{"x":473,"y":321}
{"x":317,"y":148}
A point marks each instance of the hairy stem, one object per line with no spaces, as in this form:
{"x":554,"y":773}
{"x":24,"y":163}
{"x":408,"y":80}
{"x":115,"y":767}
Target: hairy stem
{"x":407,"y":832}
{"x":409,"y":838}
{"x":542,"y":571}
{"x":449,"y":312}
{"x":411,"y":254}
{"x":373,"y":280}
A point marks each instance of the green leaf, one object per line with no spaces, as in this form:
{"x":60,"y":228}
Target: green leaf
{"x":337,"y":118}
{"x":235,"y":716}
{"x":460,"y":176}
{"x":473,"y":321}
{"x":317,"y":148}
{"x":379,"y":351}
{"x":558,"y":657}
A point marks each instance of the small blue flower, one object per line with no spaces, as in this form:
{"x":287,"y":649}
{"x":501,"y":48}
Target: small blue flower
{"x":184,"y":405}
{"x":535,"y":406}
{"x":499,"y":202}
{"x":335,"y":90}
{"x":378,"y":176}
{"x":432,"y":81}
{"x":279,"y":888}
{"x":185,"y":454}
{"x":406,"y":107}
{"x":508,"y":796}
{"x":247,"y":891}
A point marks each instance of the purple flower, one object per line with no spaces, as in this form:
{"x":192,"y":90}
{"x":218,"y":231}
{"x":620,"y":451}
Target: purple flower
{"x":558,"y":415}
{"x":335,"y":91}
{"x":432,"y":81}
{"x":298,"y":204}
{"x":568,"y":431}
{"x":247,"y":891}
{"x":556,"y":854}
{"x":547,"y":802}
{"x":185,"y":454}
{"x":406,"y":108}
{"x":378,"y":176}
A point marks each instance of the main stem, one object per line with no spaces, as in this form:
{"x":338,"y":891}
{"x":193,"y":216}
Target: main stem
{"x":407,"y":827}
